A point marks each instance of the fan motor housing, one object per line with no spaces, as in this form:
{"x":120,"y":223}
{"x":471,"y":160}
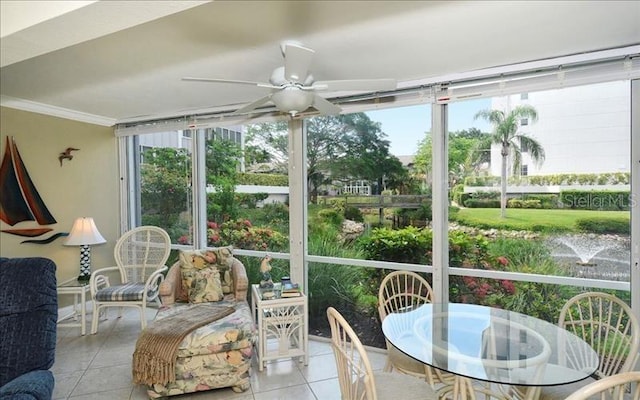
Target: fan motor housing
{"x":277,"y":78}
{"x":292,"y":99}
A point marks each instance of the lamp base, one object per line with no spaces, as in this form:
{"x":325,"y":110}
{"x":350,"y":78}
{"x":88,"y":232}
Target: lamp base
{"x":85,"y":263}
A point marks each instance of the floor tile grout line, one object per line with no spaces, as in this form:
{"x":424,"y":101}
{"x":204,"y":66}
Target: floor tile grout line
{"x":122,"y":328}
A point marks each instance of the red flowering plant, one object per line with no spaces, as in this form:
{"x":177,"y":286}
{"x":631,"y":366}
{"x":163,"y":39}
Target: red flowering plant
{"x":242,"y":234}
{"x":466,"y":251}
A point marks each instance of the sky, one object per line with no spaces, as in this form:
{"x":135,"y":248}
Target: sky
{"x":405,"y":126}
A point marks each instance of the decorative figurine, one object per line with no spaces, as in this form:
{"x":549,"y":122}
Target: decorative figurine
{"x":265,"y":274}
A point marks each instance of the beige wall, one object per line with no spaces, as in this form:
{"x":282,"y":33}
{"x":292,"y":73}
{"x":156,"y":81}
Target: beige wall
{"x":85,"y":186}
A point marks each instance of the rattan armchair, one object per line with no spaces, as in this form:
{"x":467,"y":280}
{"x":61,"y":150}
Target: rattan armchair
{"x":140,"y":256}
{"x":402,"y":291}
{"x":357,"y":379}
{"x":611,"y":329}
{"x":615,"y":387}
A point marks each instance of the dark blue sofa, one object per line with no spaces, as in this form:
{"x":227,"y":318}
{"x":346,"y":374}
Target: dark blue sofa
{"x":28,"y":314}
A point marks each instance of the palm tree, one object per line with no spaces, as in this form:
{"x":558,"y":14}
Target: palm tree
{"x":511,"y":142}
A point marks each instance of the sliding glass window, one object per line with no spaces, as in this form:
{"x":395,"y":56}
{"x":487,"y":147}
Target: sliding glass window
{"x":164,"y":183}
{"x":567,"y":217}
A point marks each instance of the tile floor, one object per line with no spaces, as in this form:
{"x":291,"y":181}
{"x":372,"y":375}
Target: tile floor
{"x":98,"y":367}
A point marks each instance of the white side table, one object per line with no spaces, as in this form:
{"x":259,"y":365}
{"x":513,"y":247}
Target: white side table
{"x":77,"y":289}
{"x":282,"y":327}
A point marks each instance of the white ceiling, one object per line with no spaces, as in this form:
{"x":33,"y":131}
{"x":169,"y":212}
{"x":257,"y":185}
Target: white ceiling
{"x":115,"y":61}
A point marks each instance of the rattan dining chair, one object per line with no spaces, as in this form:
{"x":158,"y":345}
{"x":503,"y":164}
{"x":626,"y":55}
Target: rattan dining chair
{"x":624,"y":386}
{"x":357,"y":379}
{"x":140,"y":256}
{"x":402,"y":291}
{"x":608,"y":325}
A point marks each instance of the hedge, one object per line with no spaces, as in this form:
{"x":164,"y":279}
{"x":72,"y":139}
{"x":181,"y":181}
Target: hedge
{"x":604,"y":225}
{"x":263,"y":179}
{"x":609,"y":178}
{"x":482,"y":203}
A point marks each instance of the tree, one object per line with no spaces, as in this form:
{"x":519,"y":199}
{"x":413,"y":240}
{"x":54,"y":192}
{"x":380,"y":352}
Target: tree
{"x":325,"y":142}
{"x":267,"y":143}
{"x":365,"y":153}
{"x":511,"y":142}
{"x":462,"y":158}
{"x":165,"y":187}
{"x":222,"y":159}
{"x":344,"y":147}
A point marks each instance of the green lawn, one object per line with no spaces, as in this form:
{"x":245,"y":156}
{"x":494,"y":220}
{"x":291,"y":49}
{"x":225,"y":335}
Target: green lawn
{"x":532,"y":219}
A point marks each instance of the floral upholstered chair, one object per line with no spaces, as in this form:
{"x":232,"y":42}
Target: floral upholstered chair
{"x":217,"y":354}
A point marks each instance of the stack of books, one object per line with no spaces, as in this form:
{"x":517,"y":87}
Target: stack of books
{"x":289,"y":289}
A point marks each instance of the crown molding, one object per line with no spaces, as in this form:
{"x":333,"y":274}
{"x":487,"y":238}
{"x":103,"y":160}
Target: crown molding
{"x":41,"y":108}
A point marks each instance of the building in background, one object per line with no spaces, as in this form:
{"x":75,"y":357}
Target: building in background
{"x":583,"y":129}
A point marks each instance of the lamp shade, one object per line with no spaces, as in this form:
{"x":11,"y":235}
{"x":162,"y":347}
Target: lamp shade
{"x":84,"y":232}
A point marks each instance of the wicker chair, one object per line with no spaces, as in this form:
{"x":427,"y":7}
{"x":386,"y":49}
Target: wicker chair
{"x":614,"y":387}
{"x":612,"y":330}
{"x":402,"y":291}
{"x":140,"y":255}
{"x":355,"y":375}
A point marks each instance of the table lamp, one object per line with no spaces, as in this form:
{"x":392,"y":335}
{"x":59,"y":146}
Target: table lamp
{"x":84,"y":233}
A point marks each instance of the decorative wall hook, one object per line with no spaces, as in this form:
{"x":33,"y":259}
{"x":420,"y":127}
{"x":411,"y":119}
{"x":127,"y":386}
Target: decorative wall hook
{"x":66,"y":154}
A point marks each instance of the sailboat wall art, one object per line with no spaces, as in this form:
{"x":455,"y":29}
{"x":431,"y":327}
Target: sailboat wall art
{"x":20,"y":200}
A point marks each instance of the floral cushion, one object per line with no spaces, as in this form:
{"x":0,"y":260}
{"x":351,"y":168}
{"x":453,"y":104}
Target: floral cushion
{"x":220,"y":257}
{"x":233,"y":332}
{"x":203,"y":285}
{"x":218,"y":354}
{"x":213,"y":356}
{"x":212,"y":371}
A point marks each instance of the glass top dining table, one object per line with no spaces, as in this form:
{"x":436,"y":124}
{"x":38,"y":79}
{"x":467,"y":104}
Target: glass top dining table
{"x":491,"y":344}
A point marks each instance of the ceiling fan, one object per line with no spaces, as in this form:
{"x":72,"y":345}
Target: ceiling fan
{"x":293,"y":88}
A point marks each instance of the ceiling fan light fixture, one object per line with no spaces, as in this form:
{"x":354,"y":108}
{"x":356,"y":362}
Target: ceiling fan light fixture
{"x":292,"y":100}
{"x":293,"y":88}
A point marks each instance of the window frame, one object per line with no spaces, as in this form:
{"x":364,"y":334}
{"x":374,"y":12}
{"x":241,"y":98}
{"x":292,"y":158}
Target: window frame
{"x":440,"y":97}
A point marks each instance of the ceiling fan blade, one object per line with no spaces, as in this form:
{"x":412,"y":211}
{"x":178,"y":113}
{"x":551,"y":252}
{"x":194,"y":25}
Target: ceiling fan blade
{"x":191,"y":79}
{"x":297,"y":62}
{"x":370,"y":85}
{"x":253,"y":105}
{"x":325,"y":106}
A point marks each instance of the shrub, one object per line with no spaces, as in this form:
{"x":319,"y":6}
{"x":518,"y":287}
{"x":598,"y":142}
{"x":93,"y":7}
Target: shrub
{"x":332,"y":284}
{"x":483,"y":200}
{"x":456,"y":193}
{"x":354,"y":214}
{"x":617,"y":178}
{"x":331,"y":216}
{"x":547,"y":201}
{"x":517,"y":203}
{"x":243,"y":235}
{"x":278,"y":211}
{"x":540,"y":300}
{"x":175,"y":224}
{"x":482,"y":203}
{"x":604,"y":225}
{"x":222,"y":204}
{"x":469,"y":251}
{"x":249,"y":200}
{"x":408,"y":245}
{"x":263,"y":179}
